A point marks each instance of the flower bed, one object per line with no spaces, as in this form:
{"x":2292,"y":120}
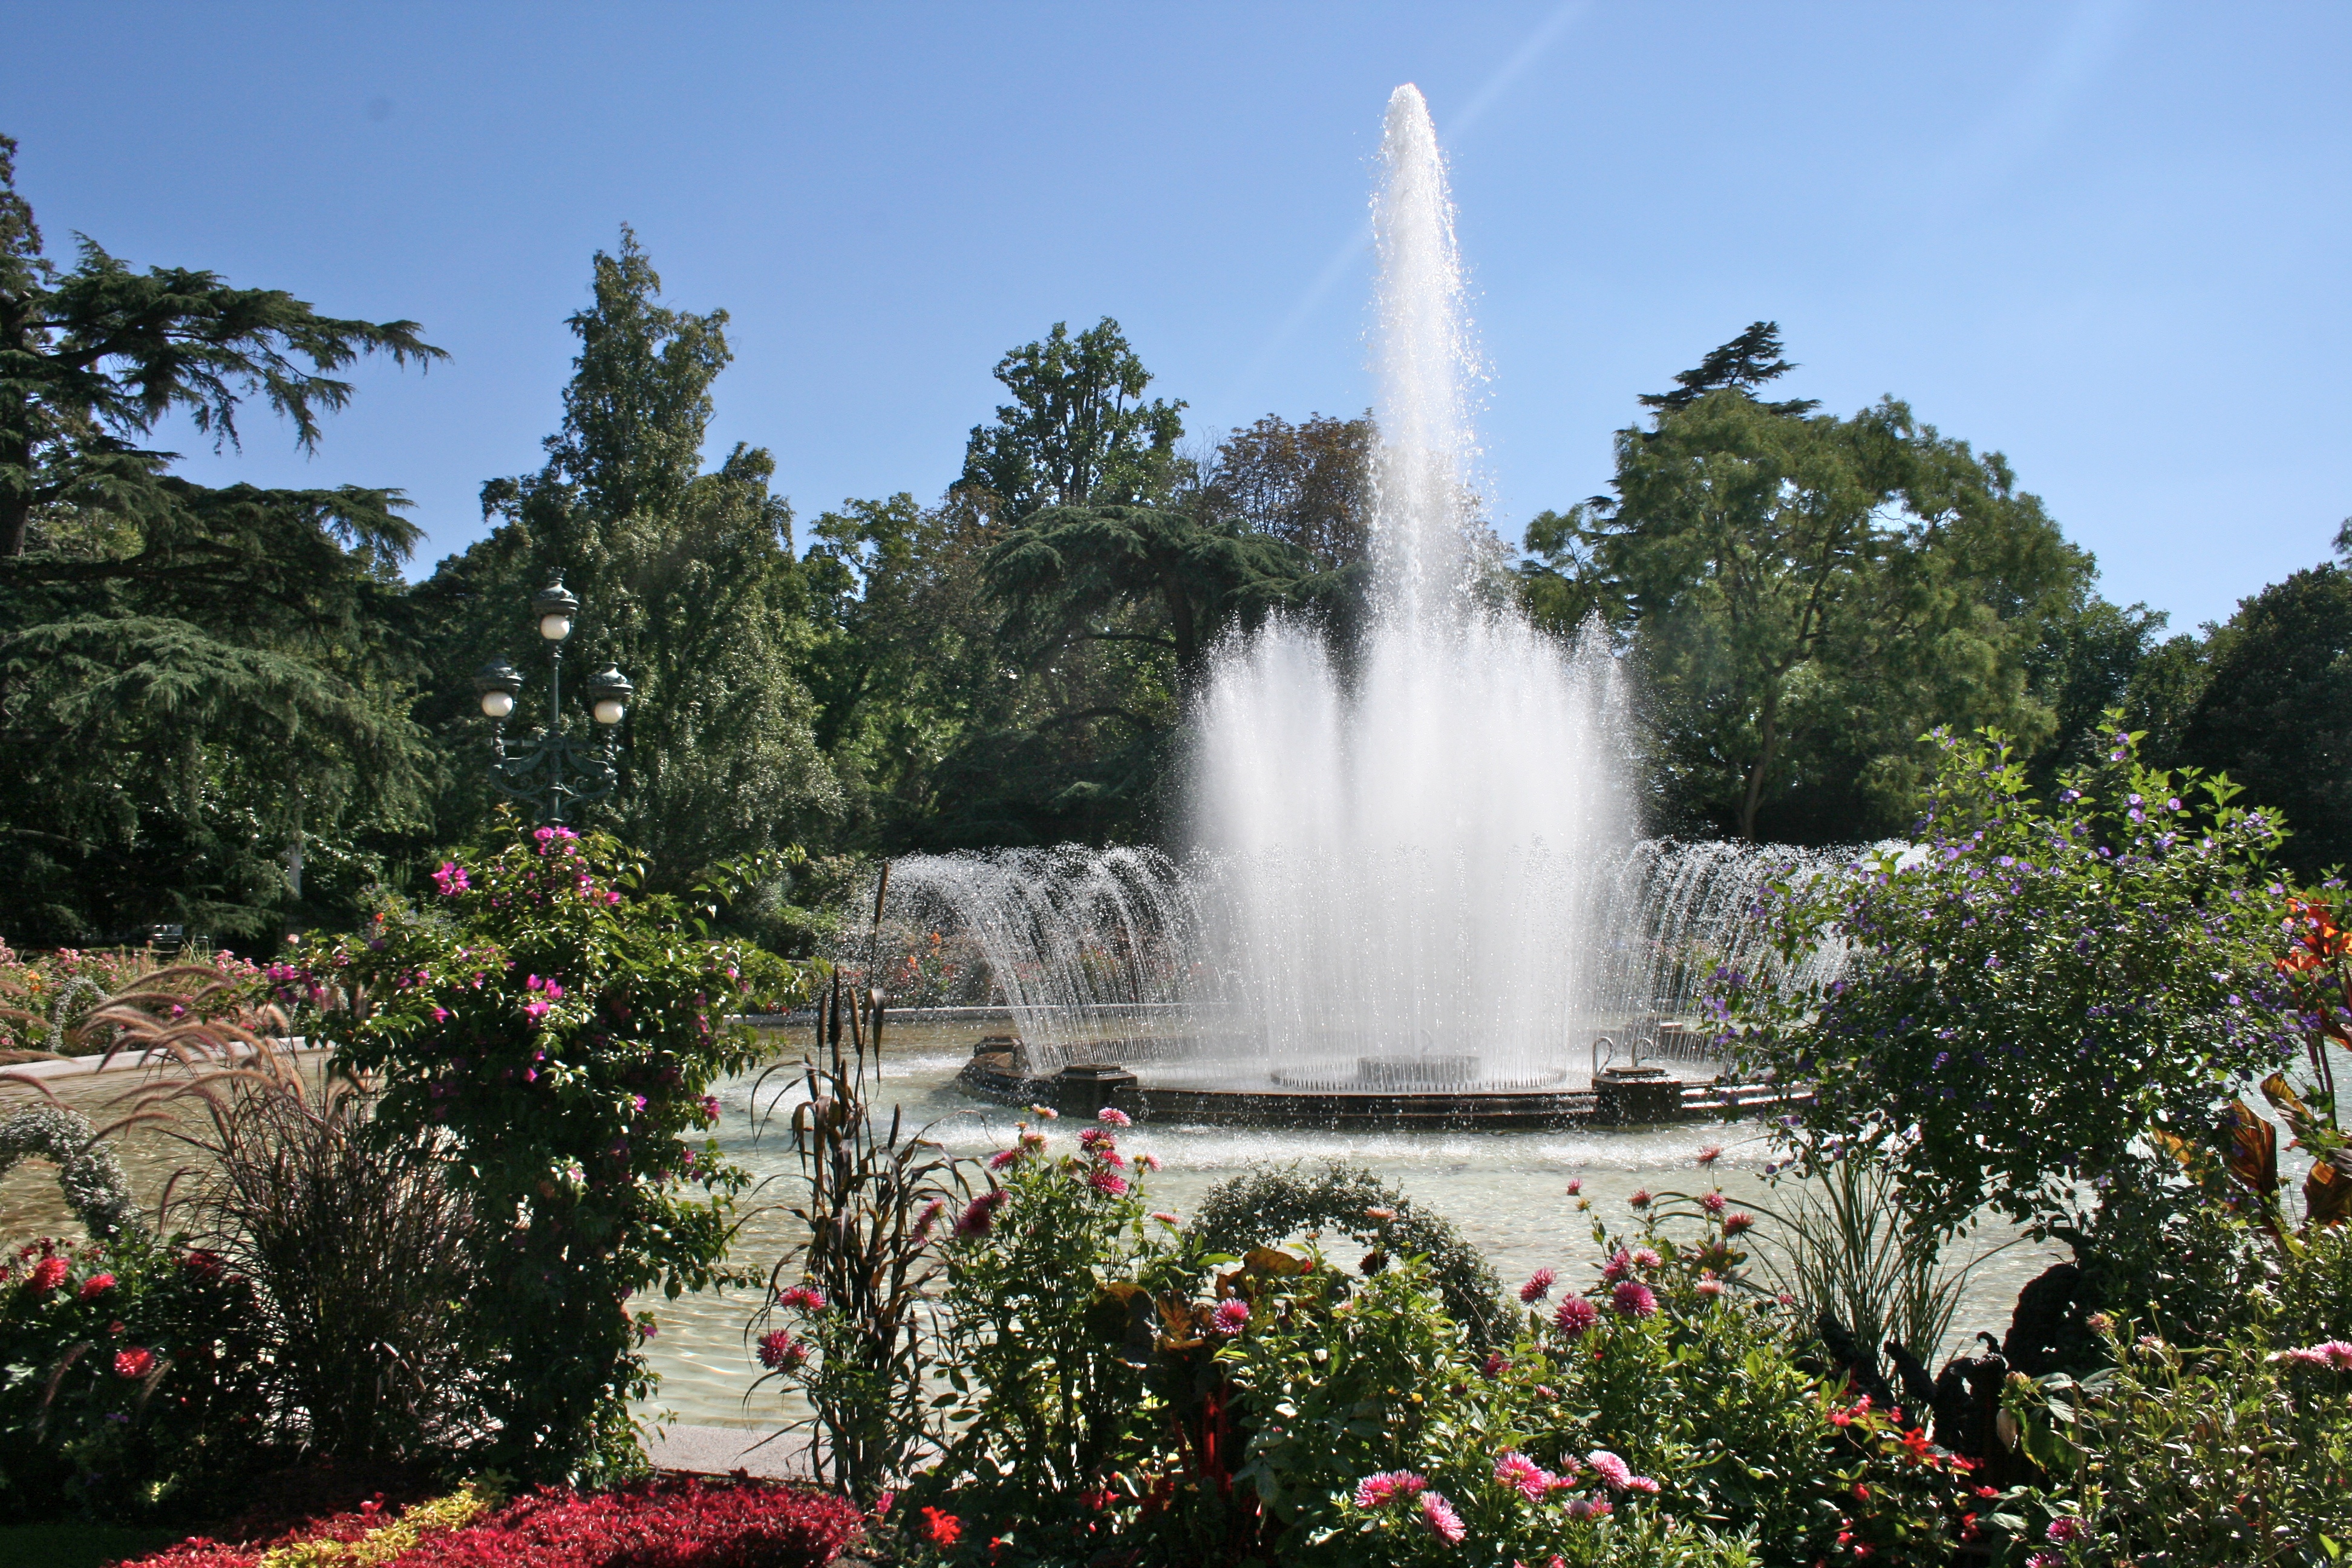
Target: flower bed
{"x":670,"y":1524}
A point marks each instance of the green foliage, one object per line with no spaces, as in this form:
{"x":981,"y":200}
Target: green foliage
{"x":686,"y":581}
{"x":200,"y":691}
{"x":130,"y":1379}
{"x":1804,"y":595}
{"x":2032,"y":989}
{"x":1266,"y":1204}
{"x":1042,"y":1406}
{"x":2181,"y":1457}
{"x":557,"y":1039}
{"x":2276,"y":711}
{"x":1077,"y":432}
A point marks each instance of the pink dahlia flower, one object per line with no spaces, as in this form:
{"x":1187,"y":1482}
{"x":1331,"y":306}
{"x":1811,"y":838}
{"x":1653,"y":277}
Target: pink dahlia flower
{"x":2063,"y":1530}
{"x":1537,"y":1287}
{"x":1590,"y":1508}
{"x":779,"y":1351}
{"x":1620,"y":1264}
{"x":807,"y":1298}
{"x":1443,"y":1522}
{"x":1646,"y":1258}
{"x":1575,"y":1316}
{"x":1109,"y":1182}
{"x":978,"y":1217}
{"x":1112,"y":1115}
{"x":1611,"y":1468}
{"x":1531,"y":1479}
{"x":1230,"y":1318}
{"x":1375,"y":1490}
{"x":1733,"y":1224}
{"x":1633,"y":1300}
{"x":1164,"y":1217}
{"x":1004,"y":1157}
{"x":1712,"y":1203}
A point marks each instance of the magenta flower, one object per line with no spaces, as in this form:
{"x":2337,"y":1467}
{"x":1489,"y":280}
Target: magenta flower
{"x":1590,"y":1508}
{"x":1148,"y":1162}
{"x":534,"y":1010}
{"x":2336,"y":1354}
{"x":1611,"y":1468}
{"x":930,"y":1216}
{"x":134,"y":1363}
{"x":1443,"y":1522}
{"x":1094,"y":1140}
{"x":1708,"y":1285}
{"x":978,"y":1217}
{"x":1575,"y":1316}
{"x":1112,"y":1115}
{"x":1712,"y":1203}
{"x":1494,"y":1365}
{"x":1004,"y":1157}
{"x":1643,"y":1258}
{"x":450,"y":878}
{"x":1640,"y":1198}
{"x":808,"y":1298}
{"x":1537,"y":1287}
{"x":1618,"y":1265}
{"x":1109,"y":1182}
{"x":1230,"y":1318}
{"x":1633,"y":1300}
{"x":1531,"y":1479}
{"x":1164,"y":1217}
{"x":1642,"y":1484}
{"x":1733,"y":1224}
{"x":779,"y":1351}
{"x":1375,"y":1490}
{"x":2063,"y":1530}
{"x":1575,"y":1186}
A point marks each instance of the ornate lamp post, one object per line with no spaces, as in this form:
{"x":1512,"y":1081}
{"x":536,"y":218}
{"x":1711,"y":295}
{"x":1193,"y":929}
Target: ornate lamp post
{"x":557,"y":772}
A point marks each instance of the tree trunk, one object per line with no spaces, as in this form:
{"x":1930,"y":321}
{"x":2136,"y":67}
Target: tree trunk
{"x":1754,"y":795}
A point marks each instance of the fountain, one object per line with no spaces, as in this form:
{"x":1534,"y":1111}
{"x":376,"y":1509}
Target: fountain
{"x":1415,"y":893}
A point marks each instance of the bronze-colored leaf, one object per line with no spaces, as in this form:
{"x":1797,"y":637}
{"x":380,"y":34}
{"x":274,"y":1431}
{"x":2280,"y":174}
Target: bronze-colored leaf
{"x":2326,"y":1194}
{"x":1275,"y":1263}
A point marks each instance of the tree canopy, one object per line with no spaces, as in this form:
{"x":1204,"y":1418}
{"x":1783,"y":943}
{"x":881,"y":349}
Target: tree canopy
{"x":1805,"y":596}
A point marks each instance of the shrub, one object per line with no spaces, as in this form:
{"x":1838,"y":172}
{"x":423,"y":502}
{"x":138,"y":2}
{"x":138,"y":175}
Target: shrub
{"x":2175,"y":1457}
{"x":1266,"y":1204}
{"x":132,"y":1383}
{"x":49,"y":1002}
{"x":2032,"y":989}
{"x":556,"y":1039}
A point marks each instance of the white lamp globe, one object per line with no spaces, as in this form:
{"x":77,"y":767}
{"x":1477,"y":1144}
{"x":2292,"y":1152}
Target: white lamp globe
{"x":555,"y":628}
{"x":609,"y":712}
{"x":496,"y":704}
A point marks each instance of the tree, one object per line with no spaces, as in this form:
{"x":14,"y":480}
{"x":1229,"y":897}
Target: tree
{"x":202,"y":691}
{"x":2276,"y":711}
{"x":686,"y":579}
{"x":1077,"y":432}
{"x":1804,"y":595}
{"x":92,"y":359}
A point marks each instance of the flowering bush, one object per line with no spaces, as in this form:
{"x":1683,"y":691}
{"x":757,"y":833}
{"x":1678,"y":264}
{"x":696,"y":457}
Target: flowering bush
{"x":45,"y":1000}
{"x":2032,"y":989}
{"x":559,"y":1037}
{"x":131,"y":1378}
{"x":2174,"y":1457}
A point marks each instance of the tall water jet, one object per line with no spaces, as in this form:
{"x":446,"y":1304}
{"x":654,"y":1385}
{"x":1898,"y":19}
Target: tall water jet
{"x":1414,"y":855}
{"x":1415,"y":883}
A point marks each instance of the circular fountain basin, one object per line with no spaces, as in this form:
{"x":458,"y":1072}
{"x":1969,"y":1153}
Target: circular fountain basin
{"x":1415,"y":1075}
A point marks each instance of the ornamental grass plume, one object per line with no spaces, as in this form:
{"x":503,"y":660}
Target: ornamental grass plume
{"x":1576,"y":1315}
{"x":1537,"y":1287}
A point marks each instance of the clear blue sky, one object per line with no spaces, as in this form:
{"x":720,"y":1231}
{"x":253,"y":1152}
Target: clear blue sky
{"x":2107,"y":240}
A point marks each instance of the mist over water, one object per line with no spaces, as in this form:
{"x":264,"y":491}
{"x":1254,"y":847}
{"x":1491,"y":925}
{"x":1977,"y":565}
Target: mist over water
{"x":1427,"y":860}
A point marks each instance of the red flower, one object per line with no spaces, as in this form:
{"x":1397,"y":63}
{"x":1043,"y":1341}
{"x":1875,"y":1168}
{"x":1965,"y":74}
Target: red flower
{"x":1914,"y":1444}
{"x":48,"y":1275}
{"x":96,"y":1285}
{"x":943,"y":1529}
{"x":134,"y":1363}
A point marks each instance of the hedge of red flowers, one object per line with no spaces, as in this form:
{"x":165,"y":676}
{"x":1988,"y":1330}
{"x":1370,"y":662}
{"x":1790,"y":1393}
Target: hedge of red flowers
{"x":675,"y":1523}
